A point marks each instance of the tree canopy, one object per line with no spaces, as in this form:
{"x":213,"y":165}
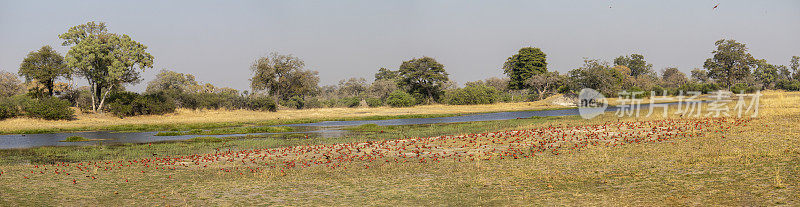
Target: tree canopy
{"x":283,"y":76}
{"x":528,"y":61}
{"x":106,"y":60}
{"x":171,"y":80}
{"x":636,"y":64}
{"x":731,"y":62}
{"x":44,"y":66}
{"x":423,"y":76}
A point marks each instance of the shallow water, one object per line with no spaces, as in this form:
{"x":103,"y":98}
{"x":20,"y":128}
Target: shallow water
{"x":319,"y":129}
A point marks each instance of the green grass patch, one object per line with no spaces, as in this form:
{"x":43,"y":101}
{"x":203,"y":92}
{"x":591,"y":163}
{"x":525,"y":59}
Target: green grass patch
{"x":205,"y":139}
{"x":75,"y":139}
{"x":223,"y":131}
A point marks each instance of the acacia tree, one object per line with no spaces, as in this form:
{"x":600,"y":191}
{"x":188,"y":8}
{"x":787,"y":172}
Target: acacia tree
{"x":528,"y":61}
{"x":283,"y":76}
{"x":423,"y":76}
{"x":44,"y":66}
{"x":173,"y":81}
{"x":9,"y":84}
{"x":106,"y":60}
{"x":699,"y":75}
{"x":636,"y":63}
{"x":385,"y":74}
{"x":673,"y":78}
{"x":545,"y":84}
{"x":731,"y":62}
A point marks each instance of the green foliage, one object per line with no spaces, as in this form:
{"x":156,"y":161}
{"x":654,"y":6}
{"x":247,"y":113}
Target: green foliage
{"x":636,"y":64}
{"x":293,"y":102}
{"x":283,"y":76}
{"x":261,"y":103}
{"x":793,"y":85}
{"x":470,"y":95}
{"x":48,"y":108}
{"x":386,"y":74}
{"x":205,"y":139}
{"x":106,"y":60}
{"x":44,"y":66}
{"x":374,"y":102}
{"x":170,"y":80}
{"x":351,"y":102}
{"x":598,"y":76}
{"x":75,"y":139}
{"x":742,"y":88}
{"x":424,"y":76}
{"x":731,"y":62}
{"x":528,"y":61}
{"x":8,"y":108}
{"x":132,"y":104}
{"x":400,"y":98}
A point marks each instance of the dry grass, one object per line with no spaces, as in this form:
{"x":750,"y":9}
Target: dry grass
{"x":745,"y":165}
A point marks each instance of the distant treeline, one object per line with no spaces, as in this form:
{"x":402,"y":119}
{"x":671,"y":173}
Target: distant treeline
{"x":109,"y":61}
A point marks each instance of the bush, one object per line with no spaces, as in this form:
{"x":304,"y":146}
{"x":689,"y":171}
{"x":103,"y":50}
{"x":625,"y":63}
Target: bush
{"x":49,"y":108}
{"x":400,"y":98}
{"x":351,"y":102}
{"x":742,"y":88}
{"x":131,"y":104}
{"x":261,"y":103}
{"x":788,"y":85}
{"x":475,"y":94}
{"x":8,"y":109}
{"x":374,"y":102}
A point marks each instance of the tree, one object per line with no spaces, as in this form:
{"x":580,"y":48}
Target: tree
{"x":673,"y":78}
{"x":528,"y":61}
{"x":423,"y":76}
{"x":382,"y":88}
{"x":106,"y":60}
{"x":9,"y":84}
{"x":795,"y":65}
{"x":731,"y":63}
{"x":636,"y":63}
{"x":385,"y":74}
{"x":171,"y":80}
{"x":353,"y":86}
{"x":44,"y":66}
{"x":598,"y":76}
{"x":545,"y":84}
{"x":699,"y":75}
{"x":283,"y":76}
{"x":766,"y":74}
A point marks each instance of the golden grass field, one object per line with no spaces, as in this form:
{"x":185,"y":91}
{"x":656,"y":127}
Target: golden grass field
{"x":730,"y":162}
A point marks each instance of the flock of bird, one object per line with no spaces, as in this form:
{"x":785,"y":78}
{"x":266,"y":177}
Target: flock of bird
{"x":510,"y":144}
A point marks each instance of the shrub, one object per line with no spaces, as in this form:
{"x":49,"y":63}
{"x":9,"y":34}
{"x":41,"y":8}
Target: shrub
{"x":8,"y":109}
{"x":49,"y":108}
{"x":350,"y":102}
{"x":475,"y":94}
{"x":400,"y":98}
{"x":793,"y":85}
{"x":261,"y":103}
{"x":742,"y":88}
{"x":131,"y":104}
{"x":374,"y":102}
{"x":314,"y":103}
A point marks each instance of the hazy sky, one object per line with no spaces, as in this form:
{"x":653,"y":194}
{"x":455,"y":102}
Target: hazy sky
{"x":217,"y":41}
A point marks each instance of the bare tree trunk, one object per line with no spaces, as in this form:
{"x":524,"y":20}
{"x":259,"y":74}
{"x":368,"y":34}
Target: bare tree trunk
{"x":94,"y":104}
{"x":103,"y":99}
